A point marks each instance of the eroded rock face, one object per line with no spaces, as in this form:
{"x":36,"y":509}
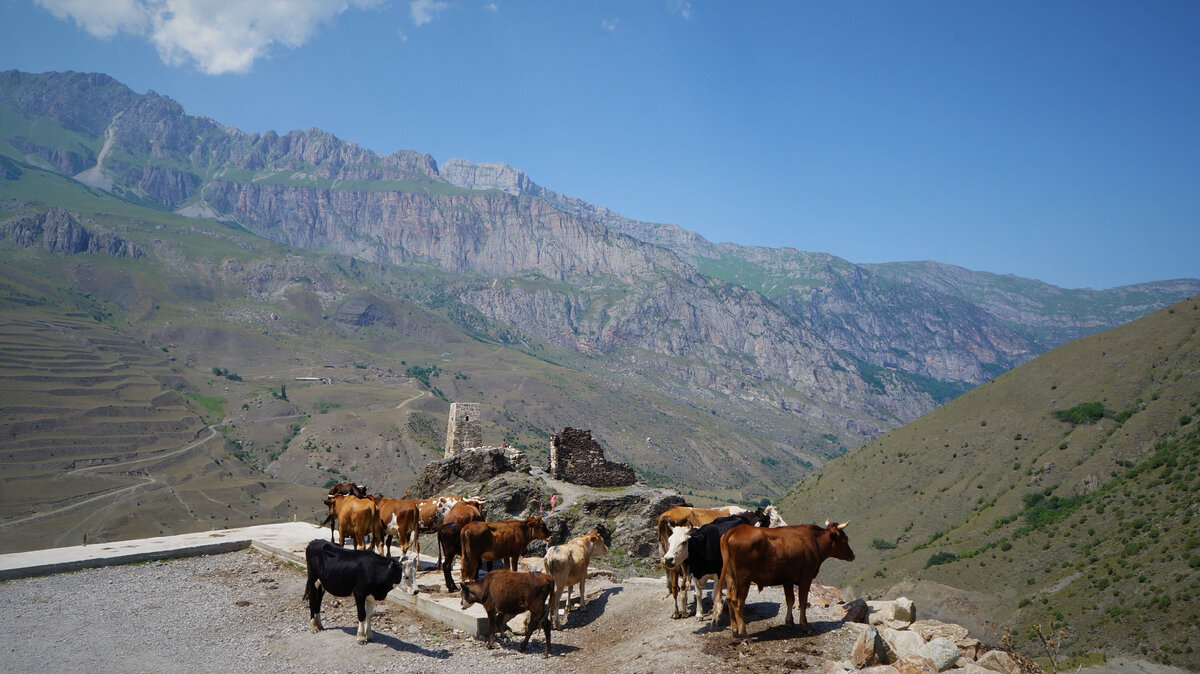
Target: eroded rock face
{"x":61,"y":234}
{"x":469,"y":466}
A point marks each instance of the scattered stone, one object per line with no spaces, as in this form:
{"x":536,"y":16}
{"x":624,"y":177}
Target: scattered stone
{"x":903,"y":610}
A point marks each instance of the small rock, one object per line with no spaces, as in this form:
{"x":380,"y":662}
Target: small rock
{"x":904,"y":610}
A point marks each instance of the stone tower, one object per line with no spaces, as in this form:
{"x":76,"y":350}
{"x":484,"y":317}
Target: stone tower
{"x":463,"y":430}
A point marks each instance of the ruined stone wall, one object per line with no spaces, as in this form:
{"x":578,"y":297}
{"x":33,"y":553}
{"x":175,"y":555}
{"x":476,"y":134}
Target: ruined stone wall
{"x":575,"y":457}
{"x":463,"y":430}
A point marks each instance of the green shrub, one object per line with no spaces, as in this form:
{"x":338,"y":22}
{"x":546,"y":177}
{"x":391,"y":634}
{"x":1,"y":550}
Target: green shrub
{"x":1083,"y":413}
{"x":880,"y":544}
{"x":939,"y":558}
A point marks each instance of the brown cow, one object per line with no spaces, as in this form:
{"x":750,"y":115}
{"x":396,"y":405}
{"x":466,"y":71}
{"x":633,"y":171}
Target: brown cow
{"x":505,"y":594}
{"x":397,"y":518}
{"x":784,"y":556}
{"x":356,"y":517}
{"x":498,"y":541}
{"x":450,"y":535}
{"x":681,"y":516}
{"x":348,"y":488}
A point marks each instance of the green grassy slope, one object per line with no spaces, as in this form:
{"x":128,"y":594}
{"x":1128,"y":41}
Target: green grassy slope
{"x":1060,"y":494}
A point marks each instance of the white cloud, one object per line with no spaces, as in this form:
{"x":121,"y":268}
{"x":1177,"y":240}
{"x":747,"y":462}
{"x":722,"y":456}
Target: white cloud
{"x":492,"y":7}
{"x":609,"y":24}
{"x":424,"y":11}
{"x":681,"y":7}
{"x":219,"y":36}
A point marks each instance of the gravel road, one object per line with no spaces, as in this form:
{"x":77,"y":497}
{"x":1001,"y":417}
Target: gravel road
{"x":243,"y":611}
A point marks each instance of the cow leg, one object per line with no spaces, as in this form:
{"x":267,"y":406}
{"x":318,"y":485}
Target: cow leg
{"x":545,"y":621}
{"x":315,"y":594}
{"x":802,"y":597}
{"x":698,"y":586}
{"x":740,"y":631}
{"x":790,"y":597}
{"x":555,"y":600}
{"x":366,"y":606}
{"x":491,"y":642}
{"x":582,"y":588}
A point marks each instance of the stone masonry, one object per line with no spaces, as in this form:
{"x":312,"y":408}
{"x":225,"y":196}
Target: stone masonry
{"x":575,"y":457}
{"x":463,"y":430}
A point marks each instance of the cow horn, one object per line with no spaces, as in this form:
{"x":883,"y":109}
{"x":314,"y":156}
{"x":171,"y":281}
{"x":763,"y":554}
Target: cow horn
{"x":826,"y":524}
{"x":843,"y":524}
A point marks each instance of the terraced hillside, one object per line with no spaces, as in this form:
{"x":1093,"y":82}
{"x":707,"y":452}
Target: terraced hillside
{"x":96,"y":439}
{"x":1062,"y":494}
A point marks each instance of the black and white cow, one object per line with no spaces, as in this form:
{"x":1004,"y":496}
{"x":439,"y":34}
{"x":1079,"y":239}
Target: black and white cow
{"x":697,"y":551}
{"x":362,"y":573}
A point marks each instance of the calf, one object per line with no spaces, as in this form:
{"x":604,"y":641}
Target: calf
{"x":505,"y":594}
{"x":568,"y":563}
{"x":498,"y":541}
{"x":697,"y":553}
{"x":342,"y":573}
{"x":450,"y":536}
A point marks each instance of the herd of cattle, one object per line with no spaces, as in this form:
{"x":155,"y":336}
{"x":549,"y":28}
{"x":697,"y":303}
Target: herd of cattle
{"x":733,"y":546}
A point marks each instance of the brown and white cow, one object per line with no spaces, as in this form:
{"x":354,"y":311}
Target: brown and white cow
{"x":787,"y":556}
{"x":398,"y":518}
{"x":498,"y":542}
{"x":356,"y":518}
{"x":505,"y":594}
{"x":680,"y":516}
{"x":568,"y":563}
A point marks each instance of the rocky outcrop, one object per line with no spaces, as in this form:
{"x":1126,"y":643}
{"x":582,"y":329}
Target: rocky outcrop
{"x":474,"y":466}
{"x":61,"y":234}
{"x":364,"y":309}
{"x":488,"y":176}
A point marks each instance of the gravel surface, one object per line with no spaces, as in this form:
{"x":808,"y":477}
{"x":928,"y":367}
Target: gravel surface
{"x":244,"y":611}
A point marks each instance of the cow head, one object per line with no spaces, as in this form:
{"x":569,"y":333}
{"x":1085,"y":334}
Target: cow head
{"x":595,"y":544}
{"x":471,"y":593}
{"x":839,"y":543}
{"x":537,"y":528}
{"x":677,"y":548}
{"x":408,"y":573}
{"x":775,"y":518}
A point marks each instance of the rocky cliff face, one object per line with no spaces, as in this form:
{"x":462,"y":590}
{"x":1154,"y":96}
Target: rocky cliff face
{"x":840,"y":346}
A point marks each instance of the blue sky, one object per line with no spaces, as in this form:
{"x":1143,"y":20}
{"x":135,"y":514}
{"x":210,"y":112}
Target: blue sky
{"x":1052,"y":140}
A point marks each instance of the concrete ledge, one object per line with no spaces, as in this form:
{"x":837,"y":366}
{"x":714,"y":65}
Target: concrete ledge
{"x":50,"y":568}
{"x":473,"y":621}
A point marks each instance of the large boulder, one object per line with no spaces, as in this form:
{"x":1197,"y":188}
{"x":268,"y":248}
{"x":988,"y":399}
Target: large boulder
{"x":942,"y":652}
{"x":871,"y":650}
{"x":999,"y":661}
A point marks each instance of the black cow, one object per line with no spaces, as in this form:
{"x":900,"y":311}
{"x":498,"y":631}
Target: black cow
{"x":698,"y":553}
{"x":340,"y":572}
